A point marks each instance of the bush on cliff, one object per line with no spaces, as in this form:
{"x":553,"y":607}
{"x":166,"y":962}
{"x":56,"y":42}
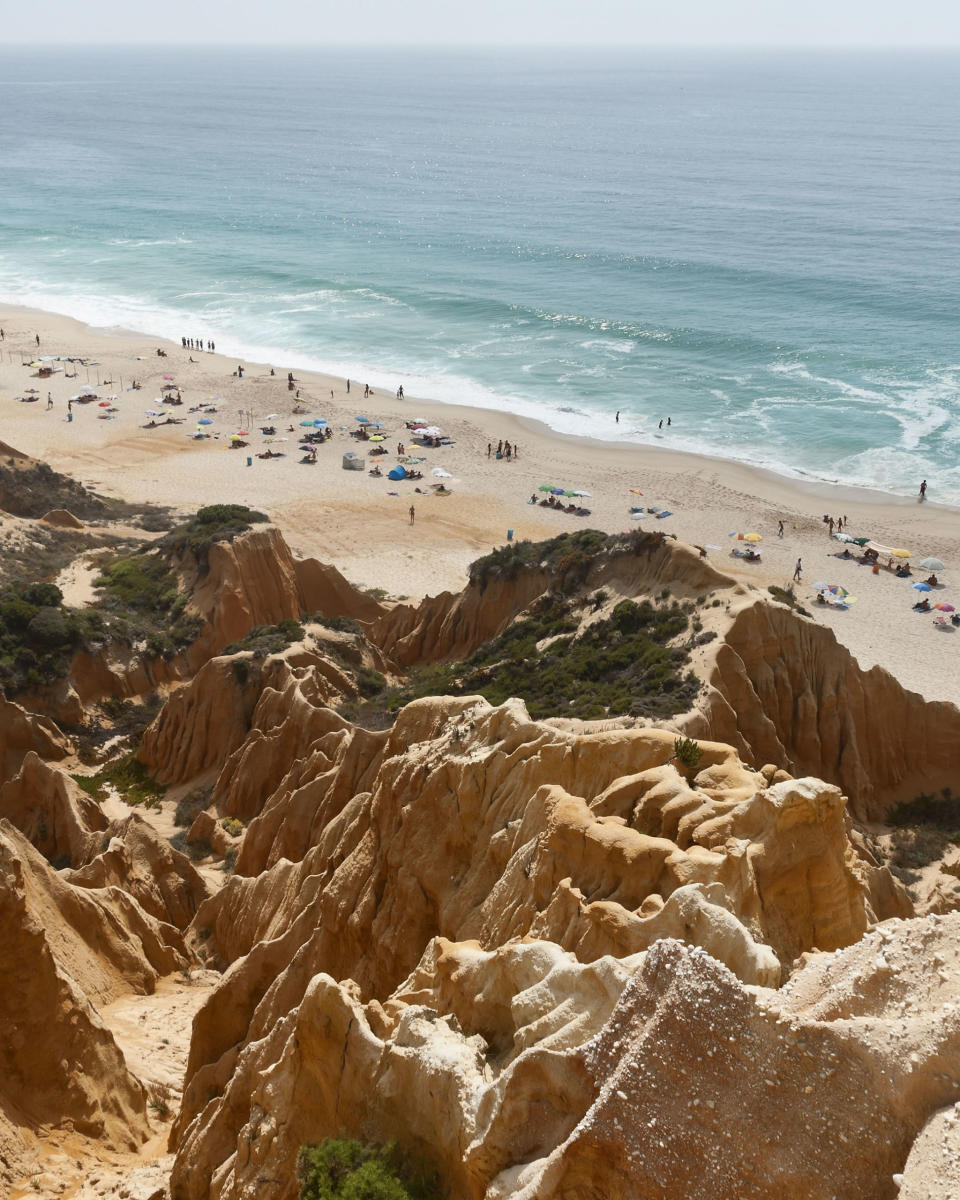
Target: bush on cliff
{"x":347,"y":1169}
{"x":622,"y":665}
{"x":215,"y":523}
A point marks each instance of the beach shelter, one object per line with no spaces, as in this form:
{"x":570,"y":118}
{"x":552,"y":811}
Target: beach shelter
{"x":397,"y":473}
{"x":352,"y":462}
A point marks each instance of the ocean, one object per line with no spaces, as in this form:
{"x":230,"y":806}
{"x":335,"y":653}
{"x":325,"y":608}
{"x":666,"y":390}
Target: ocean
{"x":763,"y":247}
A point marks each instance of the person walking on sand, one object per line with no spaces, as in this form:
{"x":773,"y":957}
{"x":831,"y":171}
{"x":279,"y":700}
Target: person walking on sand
{"x":413,"y":513}
{"x":797,"y":569}
{"x":923,"y":490}
{"x":49,"y":401}
{"x":830,"y":526}
{"x":780,"y":530}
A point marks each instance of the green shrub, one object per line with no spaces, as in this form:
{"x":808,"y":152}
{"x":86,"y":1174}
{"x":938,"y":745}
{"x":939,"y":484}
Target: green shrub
{"x":215,"y":523}
{"x":942,"y":811}
{"x":687,"y":752}
{"x":338,"y":624}
{"x":233,"y":826}
{"x":370,"y":682}
{"x":621,"y":665}
{"x":268,"y":639}
{"x":347,"y":1169}
{"x":190,"y":806}
{"x":130,"y":778}
{"x":43,"y":595}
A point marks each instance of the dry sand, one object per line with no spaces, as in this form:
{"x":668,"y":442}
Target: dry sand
{"x":355,"y":522}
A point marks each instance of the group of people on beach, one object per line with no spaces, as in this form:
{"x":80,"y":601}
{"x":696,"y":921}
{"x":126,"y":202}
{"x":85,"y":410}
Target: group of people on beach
{"x":189,"y":343}
{"x":504,"y":450}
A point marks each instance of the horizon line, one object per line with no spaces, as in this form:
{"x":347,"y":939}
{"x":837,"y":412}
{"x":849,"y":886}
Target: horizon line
{"x":621,"y":47}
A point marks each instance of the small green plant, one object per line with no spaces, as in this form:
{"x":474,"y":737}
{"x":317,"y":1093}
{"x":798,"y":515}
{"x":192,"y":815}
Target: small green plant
{"x":370,"y":682}
{"x":268,"y":639}
{"x":348,"y":1169}
{"x":378,"y":593}
{"x":190,"y":806}
{"x":337,"y":624}
{"x":232,"y":825}
{"x":229,"y":860}
{"x":215,"y":523}
{"x":687,"y":752}
{"x":160,"y":1108}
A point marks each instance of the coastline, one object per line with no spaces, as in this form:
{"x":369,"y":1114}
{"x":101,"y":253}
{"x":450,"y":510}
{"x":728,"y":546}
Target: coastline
{"x":352,"y":520}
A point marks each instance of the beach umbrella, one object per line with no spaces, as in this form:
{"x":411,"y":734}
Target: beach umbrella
{"x":34,"y":392}
{"x":270,"y":416}
{"x":636,"y":492}
{"x":104,"y":404}
{"x":580,"y":492}
{"x":922,"y":587}
{"x":243,"y":433}
{"x":637,"y":515}
{"x":545,"y":487}
{"x":752,"y":537}
{"x":234,"y":437}
{"x":378,"y":437}
{"x":363,"y":420}
{"x":932,"y":564}
{"x":318,"y":421}
{"x":900,"y":553}
{"x":821,"y":587}
{"x":204,"y":421}
{"x":945,"y":607}
{"x":309,"y":423}
{"x":168,"y":376}
{"x":837,"y":590}
{"x":844,"y":537}
{"x":557,"y":491}
{"x":441,"y":473}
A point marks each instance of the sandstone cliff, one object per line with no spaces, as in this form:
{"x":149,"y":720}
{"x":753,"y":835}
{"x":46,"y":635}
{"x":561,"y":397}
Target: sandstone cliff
{"x":522,"y":1073}
{"x":65,"y":949}
{"x":473,"y":824}
{"x":784,"y":690}
{"x":70,"y":830}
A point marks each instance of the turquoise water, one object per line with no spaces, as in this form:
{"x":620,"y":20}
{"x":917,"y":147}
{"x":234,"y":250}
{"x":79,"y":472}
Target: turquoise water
{"x":764,"y":247}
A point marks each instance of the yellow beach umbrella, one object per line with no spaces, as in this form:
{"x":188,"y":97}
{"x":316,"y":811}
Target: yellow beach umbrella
{"x":752,"y":537}
{"x":901,"y":553}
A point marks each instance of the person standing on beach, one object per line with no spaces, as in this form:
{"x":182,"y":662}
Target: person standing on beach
{"x":923,"y":490}
{"x":780,"y":530}
{"x":38,"y":341}
{"x":830,"y":526}
{"x":3,"y":336}
{"x":797,"y":569}
{"x":348,"y":387}
{"x":49,"y":401}
{"x":413,"y":513}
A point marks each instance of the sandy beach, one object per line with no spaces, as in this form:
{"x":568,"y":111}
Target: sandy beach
{"x":362,"y":524}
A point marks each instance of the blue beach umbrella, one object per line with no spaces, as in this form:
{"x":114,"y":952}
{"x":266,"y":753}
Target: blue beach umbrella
{"x":363,"y":420}
{"x":922,"y":587}
{"x":317,"y":423}
{"x":204,"y":421}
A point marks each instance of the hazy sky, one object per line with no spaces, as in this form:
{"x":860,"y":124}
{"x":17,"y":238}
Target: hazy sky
{"x":488,"y":22}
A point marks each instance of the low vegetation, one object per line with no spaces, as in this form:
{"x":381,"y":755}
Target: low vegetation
{"x":38,"y":635}
{"x":215,"y":523}
{"x":348,"y":1169}
{"x":625,"y":664}
{"x":268,"y":639}
{"x":129,"y":777}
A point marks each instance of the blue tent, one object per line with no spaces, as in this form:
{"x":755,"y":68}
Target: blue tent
{"x":397,"y":473}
